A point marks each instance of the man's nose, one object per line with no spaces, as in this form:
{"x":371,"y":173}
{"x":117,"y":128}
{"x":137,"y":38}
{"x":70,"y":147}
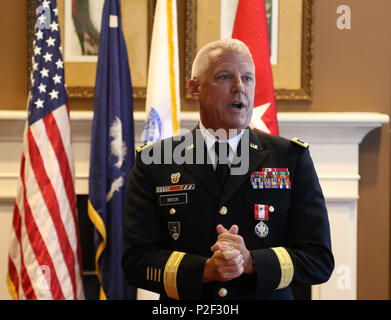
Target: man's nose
{"x":237,"y":85}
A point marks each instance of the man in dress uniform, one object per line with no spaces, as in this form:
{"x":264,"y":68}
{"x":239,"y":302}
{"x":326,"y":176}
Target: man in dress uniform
{"x":225,"y":212}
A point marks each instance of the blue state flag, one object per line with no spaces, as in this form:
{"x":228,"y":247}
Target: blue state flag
{"x":112,"y":153}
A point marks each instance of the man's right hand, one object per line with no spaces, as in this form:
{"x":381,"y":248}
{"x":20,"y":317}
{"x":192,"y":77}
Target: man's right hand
{"x":224,"y":265}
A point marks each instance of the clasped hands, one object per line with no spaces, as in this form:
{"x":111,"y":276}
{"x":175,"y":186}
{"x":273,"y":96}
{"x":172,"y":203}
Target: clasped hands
{"x":230,"y":256}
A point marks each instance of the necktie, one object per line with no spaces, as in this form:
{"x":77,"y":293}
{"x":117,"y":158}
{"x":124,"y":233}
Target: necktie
{"x":222,"y":169}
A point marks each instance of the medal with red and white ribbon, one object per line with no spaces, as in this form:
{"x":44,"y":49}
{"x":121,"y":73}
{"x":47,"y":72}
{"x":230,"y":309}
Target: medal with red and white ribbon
{"x":261,"y":213}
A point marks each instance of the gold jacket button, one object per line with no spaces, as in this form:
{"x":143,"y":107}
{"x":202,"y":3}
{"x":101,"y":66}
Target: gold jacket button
{"x":172,"y":211}
{"x":223,"y":292}
{"x":223,"y":210}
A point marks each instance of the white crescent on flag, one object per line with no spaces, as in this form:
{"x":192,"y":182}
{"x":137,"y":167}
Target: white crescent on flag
{"x":256,"y":119}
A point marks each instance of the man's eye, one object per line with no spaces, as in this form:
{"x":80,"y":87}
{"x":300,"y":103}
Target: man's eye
{"x":223,"y":77}
{"x":247,"y":78}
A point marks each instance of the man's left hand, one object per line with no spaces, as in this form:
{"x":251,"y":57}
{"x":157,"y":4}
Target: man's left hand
{"x":229,"y":240}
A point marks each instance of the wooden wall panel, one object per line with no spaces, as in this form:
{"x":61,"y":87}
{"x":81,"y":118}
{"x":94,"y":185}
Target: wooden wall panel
{"x":13,"y":55}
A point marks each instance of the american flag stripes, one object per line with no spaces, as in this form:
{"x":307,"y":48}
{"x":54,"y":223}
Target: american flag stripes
{"x":44,"y":259}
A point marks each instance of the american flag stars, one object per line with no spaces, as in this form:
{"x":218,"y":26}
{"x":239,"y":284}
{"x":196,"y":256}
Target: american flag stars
{"x":37,"y":51}
{"x":54,"y":26}
{"x":57,"y":78}
{"x":39,"y":103}
{"x":42,"y":88}
{"x":51,"y":41}
{"x":39,"y":35}
{"x":44,"y":72}
{"x":48,"y":57}
{"x":47,"y":90}
{"x":53,"y":94}
{"x":45,"y":3}
{"x":60,"y":64}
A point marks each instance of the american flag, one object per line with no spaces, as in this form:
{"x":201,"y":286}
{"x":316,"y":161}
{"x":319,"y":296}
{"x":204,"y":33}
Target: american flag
{"x":44,"y":259}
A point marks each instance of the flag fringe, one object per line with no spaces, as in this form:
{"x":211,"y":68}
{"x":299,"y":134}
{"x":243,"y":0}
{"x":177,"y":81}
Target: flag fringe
{"x":100,"y":226}
{"x":171,"y":58}
{"x":11,"y":288}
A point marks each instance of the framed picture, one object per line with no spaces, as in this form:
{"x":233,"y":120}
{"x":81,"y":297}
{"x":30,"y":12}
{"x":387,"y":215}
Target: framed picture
{"x":290,"y":30}
{"x":80,"y":22}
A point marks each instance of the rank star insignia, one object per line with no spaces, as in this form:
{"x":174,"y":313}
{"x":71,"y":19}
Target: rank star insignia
{"x":175,"y":177}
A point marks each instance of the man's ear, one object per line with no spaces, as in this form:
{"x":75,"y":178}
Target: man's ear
{"x":194,"y":85}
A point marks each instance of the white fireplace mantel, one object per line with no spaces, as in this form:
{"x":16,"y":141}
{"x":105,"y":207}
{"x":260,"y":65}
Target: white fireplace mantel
{"x":334,"y":140}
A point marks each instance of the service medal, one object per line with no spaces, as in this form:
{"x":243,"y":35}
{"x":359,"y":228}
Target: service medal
{"x":261,"y":230}
{"x":261,"y":213}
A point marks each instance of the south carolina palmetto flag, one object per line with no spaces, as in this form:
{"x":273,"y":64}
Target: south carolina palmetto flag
{"x":44,"y":260}
{"x":112,"y":153}
{"x":251,"y":27}
{"x":163,"y":103}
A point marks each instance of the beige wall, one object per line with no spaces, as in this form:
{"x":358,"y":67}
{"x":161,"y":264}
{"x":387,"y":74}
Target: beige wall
{"x":352,"y":72}
{"x":13,"y":55}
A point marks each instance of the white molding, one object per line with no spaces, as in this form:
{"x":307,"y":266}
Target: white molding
{"x":330,"y":127}
{"x":352,"y":119}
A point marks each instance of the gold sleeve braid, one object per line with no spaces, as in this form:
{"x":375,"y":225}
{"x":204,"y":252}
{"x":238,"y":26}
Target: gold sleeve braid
{"x":170,"y":274}
{"x":153,"y":274}
{"x":286,"y":264}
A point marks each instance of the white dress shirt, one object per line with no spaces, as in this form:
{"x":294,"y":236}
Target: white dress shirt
{"x":210,"y":141}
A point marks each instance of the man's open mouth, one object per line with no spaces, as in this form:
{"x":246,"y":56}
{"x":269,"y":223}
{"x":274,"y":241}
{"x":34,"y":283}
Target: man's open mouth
{"x":236,"y":105}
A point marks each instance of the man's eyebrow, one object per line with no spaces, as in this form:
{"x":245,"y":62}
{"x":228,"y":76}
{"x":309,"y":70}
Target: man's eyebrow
{"x":228,"y":71}
{"x":249,"y":73}
{"x":223,"y":71}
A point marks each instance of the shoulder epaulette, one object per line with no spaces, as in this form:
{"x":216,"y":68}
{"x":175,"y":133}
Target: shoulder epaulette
{"x":300,"y":143}
{"x":139,"y":149}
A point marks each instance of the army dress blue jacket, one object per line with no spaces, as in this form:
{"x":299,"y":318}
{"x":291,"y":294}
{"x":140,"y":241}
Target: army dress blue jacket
{"x":172,"y":210}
